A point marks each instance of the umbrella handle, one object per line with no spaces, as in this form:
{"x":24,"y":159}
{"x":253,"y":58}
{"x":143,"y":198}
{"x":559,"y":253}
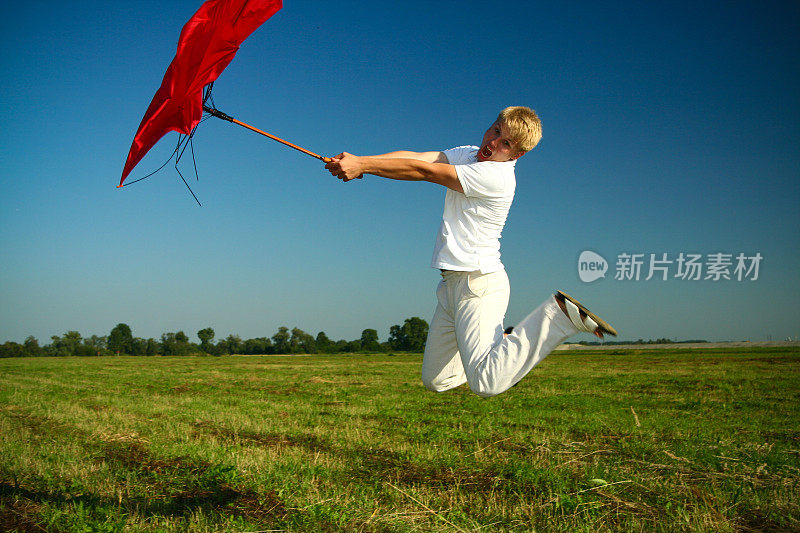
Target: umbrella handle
{"x":219,"y":114}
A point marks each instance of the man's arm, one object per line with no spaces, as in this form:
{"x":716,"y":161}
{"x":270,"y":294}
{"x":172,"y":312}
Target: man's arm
{"x":406,"y":166}
{"x":430,"y":157}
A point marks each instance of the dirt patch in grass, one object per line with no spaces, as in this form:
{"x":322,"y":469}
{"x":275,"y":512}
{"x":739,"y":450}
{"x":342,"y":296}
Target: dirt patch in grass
{"x":387,"y":464}
{"x":133,"y":455}
{"x":260,"y":508}
{"x":37,"y":424}
{"x":18,"y":514}
{"x":207,"y":427}
{"x":181,"y":485}
{"x":183,"y":388}
{"x":758,"y":520}
{"x":229,"y":499}
{"x":311,"y":443}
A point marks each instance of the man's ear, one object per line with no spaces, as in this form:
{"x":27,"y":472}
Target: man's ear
{"x":518,"y":155}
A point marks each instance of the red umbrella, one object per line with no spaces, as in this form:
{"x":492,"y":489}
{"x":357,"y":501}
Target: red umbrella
{"x":208,"y":42}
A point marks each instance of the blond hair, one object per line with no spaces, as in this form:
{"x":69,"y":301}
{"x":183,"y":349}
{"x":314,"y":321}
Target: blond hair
{"x":524,"y":126}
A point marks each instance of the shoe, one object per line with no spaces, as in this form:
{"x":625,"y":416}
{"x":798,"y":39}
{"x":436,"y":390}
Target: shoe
{"x":589,"y":322}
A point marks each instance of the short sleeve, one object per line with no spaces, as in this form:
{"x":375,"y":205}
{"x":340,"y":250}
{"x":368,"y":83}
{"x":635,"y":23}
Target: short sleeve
{"x":481,"y":179}
{"x":461,"y":155}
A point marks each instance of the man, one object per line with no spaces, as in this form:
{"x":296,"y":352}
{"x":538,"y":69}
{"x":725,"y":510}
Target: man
{"x":466,"y":342}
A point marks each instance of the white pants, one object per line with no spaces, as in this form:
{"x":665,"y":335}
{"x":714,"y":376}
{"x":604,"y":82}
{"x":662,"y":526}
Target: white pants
{"x":465,"y":339}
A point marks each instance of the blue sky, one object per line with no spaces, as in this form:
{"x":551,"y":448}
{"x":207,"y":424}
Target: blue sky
{"x":668,"y":128}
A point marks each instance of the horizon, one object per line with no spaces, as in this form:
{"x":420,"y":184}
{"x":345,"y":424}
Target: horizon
{"x":608,"y":340}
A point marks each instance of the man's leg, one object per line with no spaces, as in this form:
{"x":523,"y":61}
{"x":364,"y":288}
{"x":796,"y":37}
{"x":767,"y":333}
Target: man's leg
{"x":494,"y":363}
{"x":441,"y":364}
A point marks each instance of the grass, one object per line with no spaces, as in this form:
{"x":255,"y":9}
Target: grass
{"x":635,"y":440}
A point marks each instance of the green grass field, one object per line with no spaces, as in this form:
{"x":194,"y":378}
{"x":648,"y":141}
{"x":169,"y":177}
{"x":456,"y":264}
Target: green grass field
{"x":661,"y":440}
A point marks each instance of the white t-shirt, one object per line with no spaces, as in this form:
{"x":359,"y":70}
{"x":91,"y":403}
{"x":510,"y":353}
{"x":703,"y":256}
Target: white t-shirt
{"x":472,"y":222}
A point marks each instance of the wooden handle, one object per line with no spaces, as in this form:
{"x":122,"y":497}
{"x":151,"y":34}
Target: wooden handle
{"x":275,"y":138}
{"x":219,"y":114}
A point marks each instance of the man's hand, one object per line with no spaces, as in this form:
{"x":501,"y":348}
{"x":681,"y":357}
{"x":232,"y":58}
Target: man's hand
{"x":346,"y":167}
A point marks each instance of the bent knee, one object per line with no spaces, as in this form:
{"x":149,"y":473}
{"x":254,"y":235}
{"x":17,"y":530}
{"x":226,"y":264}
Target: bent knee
{"x":483,"y":393}
{"x":435,"y":385}
{"x":485,"y":390}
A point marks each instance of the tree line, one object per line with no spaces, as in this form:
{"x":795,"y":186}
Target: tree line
{"x":409,"y":337}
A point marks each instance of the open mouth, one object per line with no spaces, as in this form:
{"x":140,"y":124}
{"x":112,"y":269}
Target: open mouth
{"x":485,"y":152}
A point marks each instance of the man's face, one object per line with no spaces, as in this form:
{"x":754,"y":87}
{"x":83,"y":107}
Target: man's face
{"x":497,"y":146}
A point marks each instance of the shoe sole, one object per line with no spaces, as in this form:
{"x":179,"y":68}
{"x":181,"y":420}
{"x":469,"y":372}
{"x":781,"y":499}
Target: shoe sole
{"x":604,"y":326}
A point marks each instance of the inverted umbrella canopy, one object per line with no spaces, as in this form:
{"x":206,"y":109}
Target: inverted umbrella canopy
{"x":208,"y":43}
